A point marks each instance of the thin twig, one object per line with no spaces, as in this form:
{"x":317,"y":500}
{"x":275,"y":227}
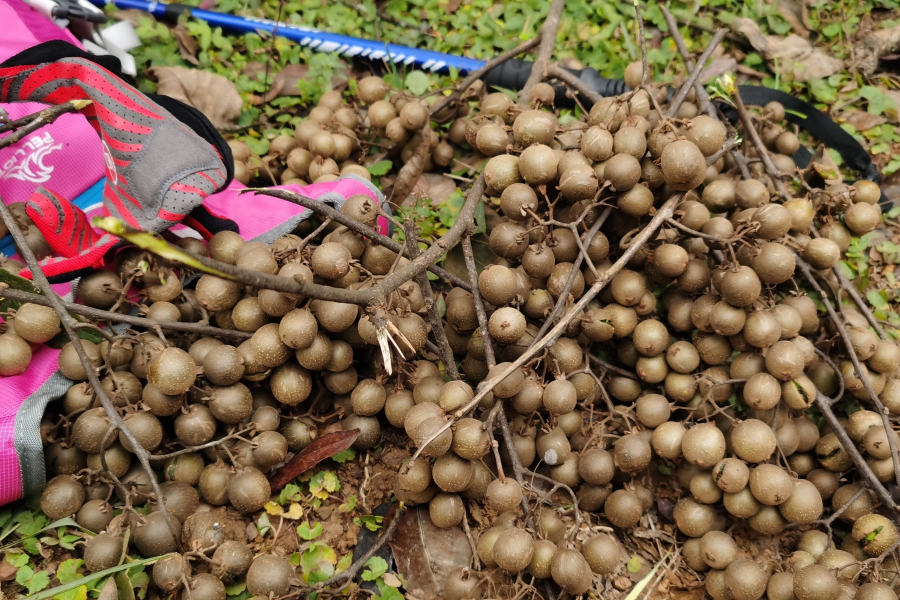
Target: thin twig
{"x":837,"y":373}
{"x":373,"y":296}
{"x":353,"y":225}
{"x":476,"y":75}
{"x":472,"y":546}
{"x":861,"y":465}
{"x":573,"y":275}
{"x":548,"y":41}
{"x":33,"y":122}
{"x":105,"y":315}
{"x":212,"y":444}
{"x":558,"y":485}
{"x":518,"y":469}
{"x":553,"y":70}
{"x":751,"y":132}
{"x":490,"y":357}
{"x":610,"y":367}
{"x":831,"y":518}
{"x":305,"y":241}
{"x":443,"y":346}
{"x":727,"y":147}
{"x":642,"y":41}
{"x":702,"y":97}
{"x":695,"y":73}
{"x":851,"y":290}
{"x":845,"y":337}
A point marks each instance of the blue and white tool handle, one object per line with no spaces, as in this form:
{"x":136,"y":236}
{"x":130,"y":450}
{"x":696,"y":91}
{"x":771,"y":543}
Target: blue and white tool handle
{"x":512,"y":74}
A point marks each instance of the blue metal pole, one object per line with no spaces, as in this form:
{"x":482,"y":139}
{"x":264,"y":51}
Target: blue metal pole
{"x":320,"y":41}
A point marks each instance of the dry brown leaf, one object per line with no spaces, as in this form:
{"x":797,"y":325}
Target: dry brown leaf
{"x":862,"y":120}
{"x":409,"y":175}
{"x":796,"y":13}
{"x":7,"y":570}
{"x":211,"y":94}
{"x":875,"y":45}
{"x":253,"y":68}
{"x":455,"y":262}
{"x":452,"y":6}
{"x":823,"y":167}
{"x":285,"y":83}
{"x":132,"y":15}
{"x":323,"y":447}
{"x":425,"y":554}
{"x":717,"y":68}
{"x":109,"y":591}
{"x":793,"y":54}
{"x":187,"y":45}
{"x":437,"y":187}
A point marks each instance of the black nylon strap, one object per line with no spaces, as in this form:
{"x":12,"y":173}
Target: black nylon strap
{"x":822,"y":128}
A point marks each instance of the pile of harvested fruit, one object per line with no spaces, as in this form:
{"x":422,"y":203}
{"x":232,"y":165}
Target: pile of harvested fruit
{"x":664,"y":359}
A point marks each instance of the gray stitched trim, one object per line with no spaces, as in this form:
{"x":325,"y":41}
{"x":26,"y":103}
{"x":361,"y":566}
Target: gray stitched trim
{"x":27,"y":437}
{"x":28,"y":443}
{"x":374,"y":189}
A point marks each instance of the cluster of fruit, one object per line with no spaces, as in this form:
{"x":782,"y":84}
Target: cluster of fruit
{"x":701,"y":357}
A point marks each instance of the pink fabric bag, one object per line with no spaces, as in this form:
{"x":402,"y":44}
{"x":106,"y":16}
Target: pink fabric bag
{"x":67,"y":157}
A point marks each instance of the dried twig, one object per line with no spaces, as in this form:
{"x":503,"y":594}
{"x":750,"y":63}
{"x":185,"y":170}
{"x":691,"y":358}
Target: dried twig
{"x":861,"y":465}
{"x":553,"y":70}
{"x":613,"y":368}
{"x":702,"y":97}
{"x":489,"y":356}
{"x":374,"y":296}
{"x":355,"y":226}
{"x":761,"y":149}
{"x":548,"y":41}
{"x":576,"y":269}
{"x":837,"y":373}
{"x":851,"y":290}
{"x":104,"y":315}
{"x":727,"y":147}
{"x":642,"y":39}
{"x":831,"y":518}
{"x":33,"y":122}
{"x":212,"y":444}
{"x":437,"y":329}
{"x":663,"y":213}
{"x":845,"y":337}
{"x":411,"y":171}
{"x":695,"y":73}
{"x":476,"y":75}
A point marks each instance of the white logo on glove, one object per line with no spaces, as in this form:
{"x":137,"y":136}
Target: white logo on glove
{"x":27,"y":162}
{"x":110,"y":164}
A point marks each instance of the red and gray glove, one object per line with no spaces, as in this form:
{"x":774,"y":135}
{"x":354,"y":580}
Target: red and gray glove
{"x":160,"y":166}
